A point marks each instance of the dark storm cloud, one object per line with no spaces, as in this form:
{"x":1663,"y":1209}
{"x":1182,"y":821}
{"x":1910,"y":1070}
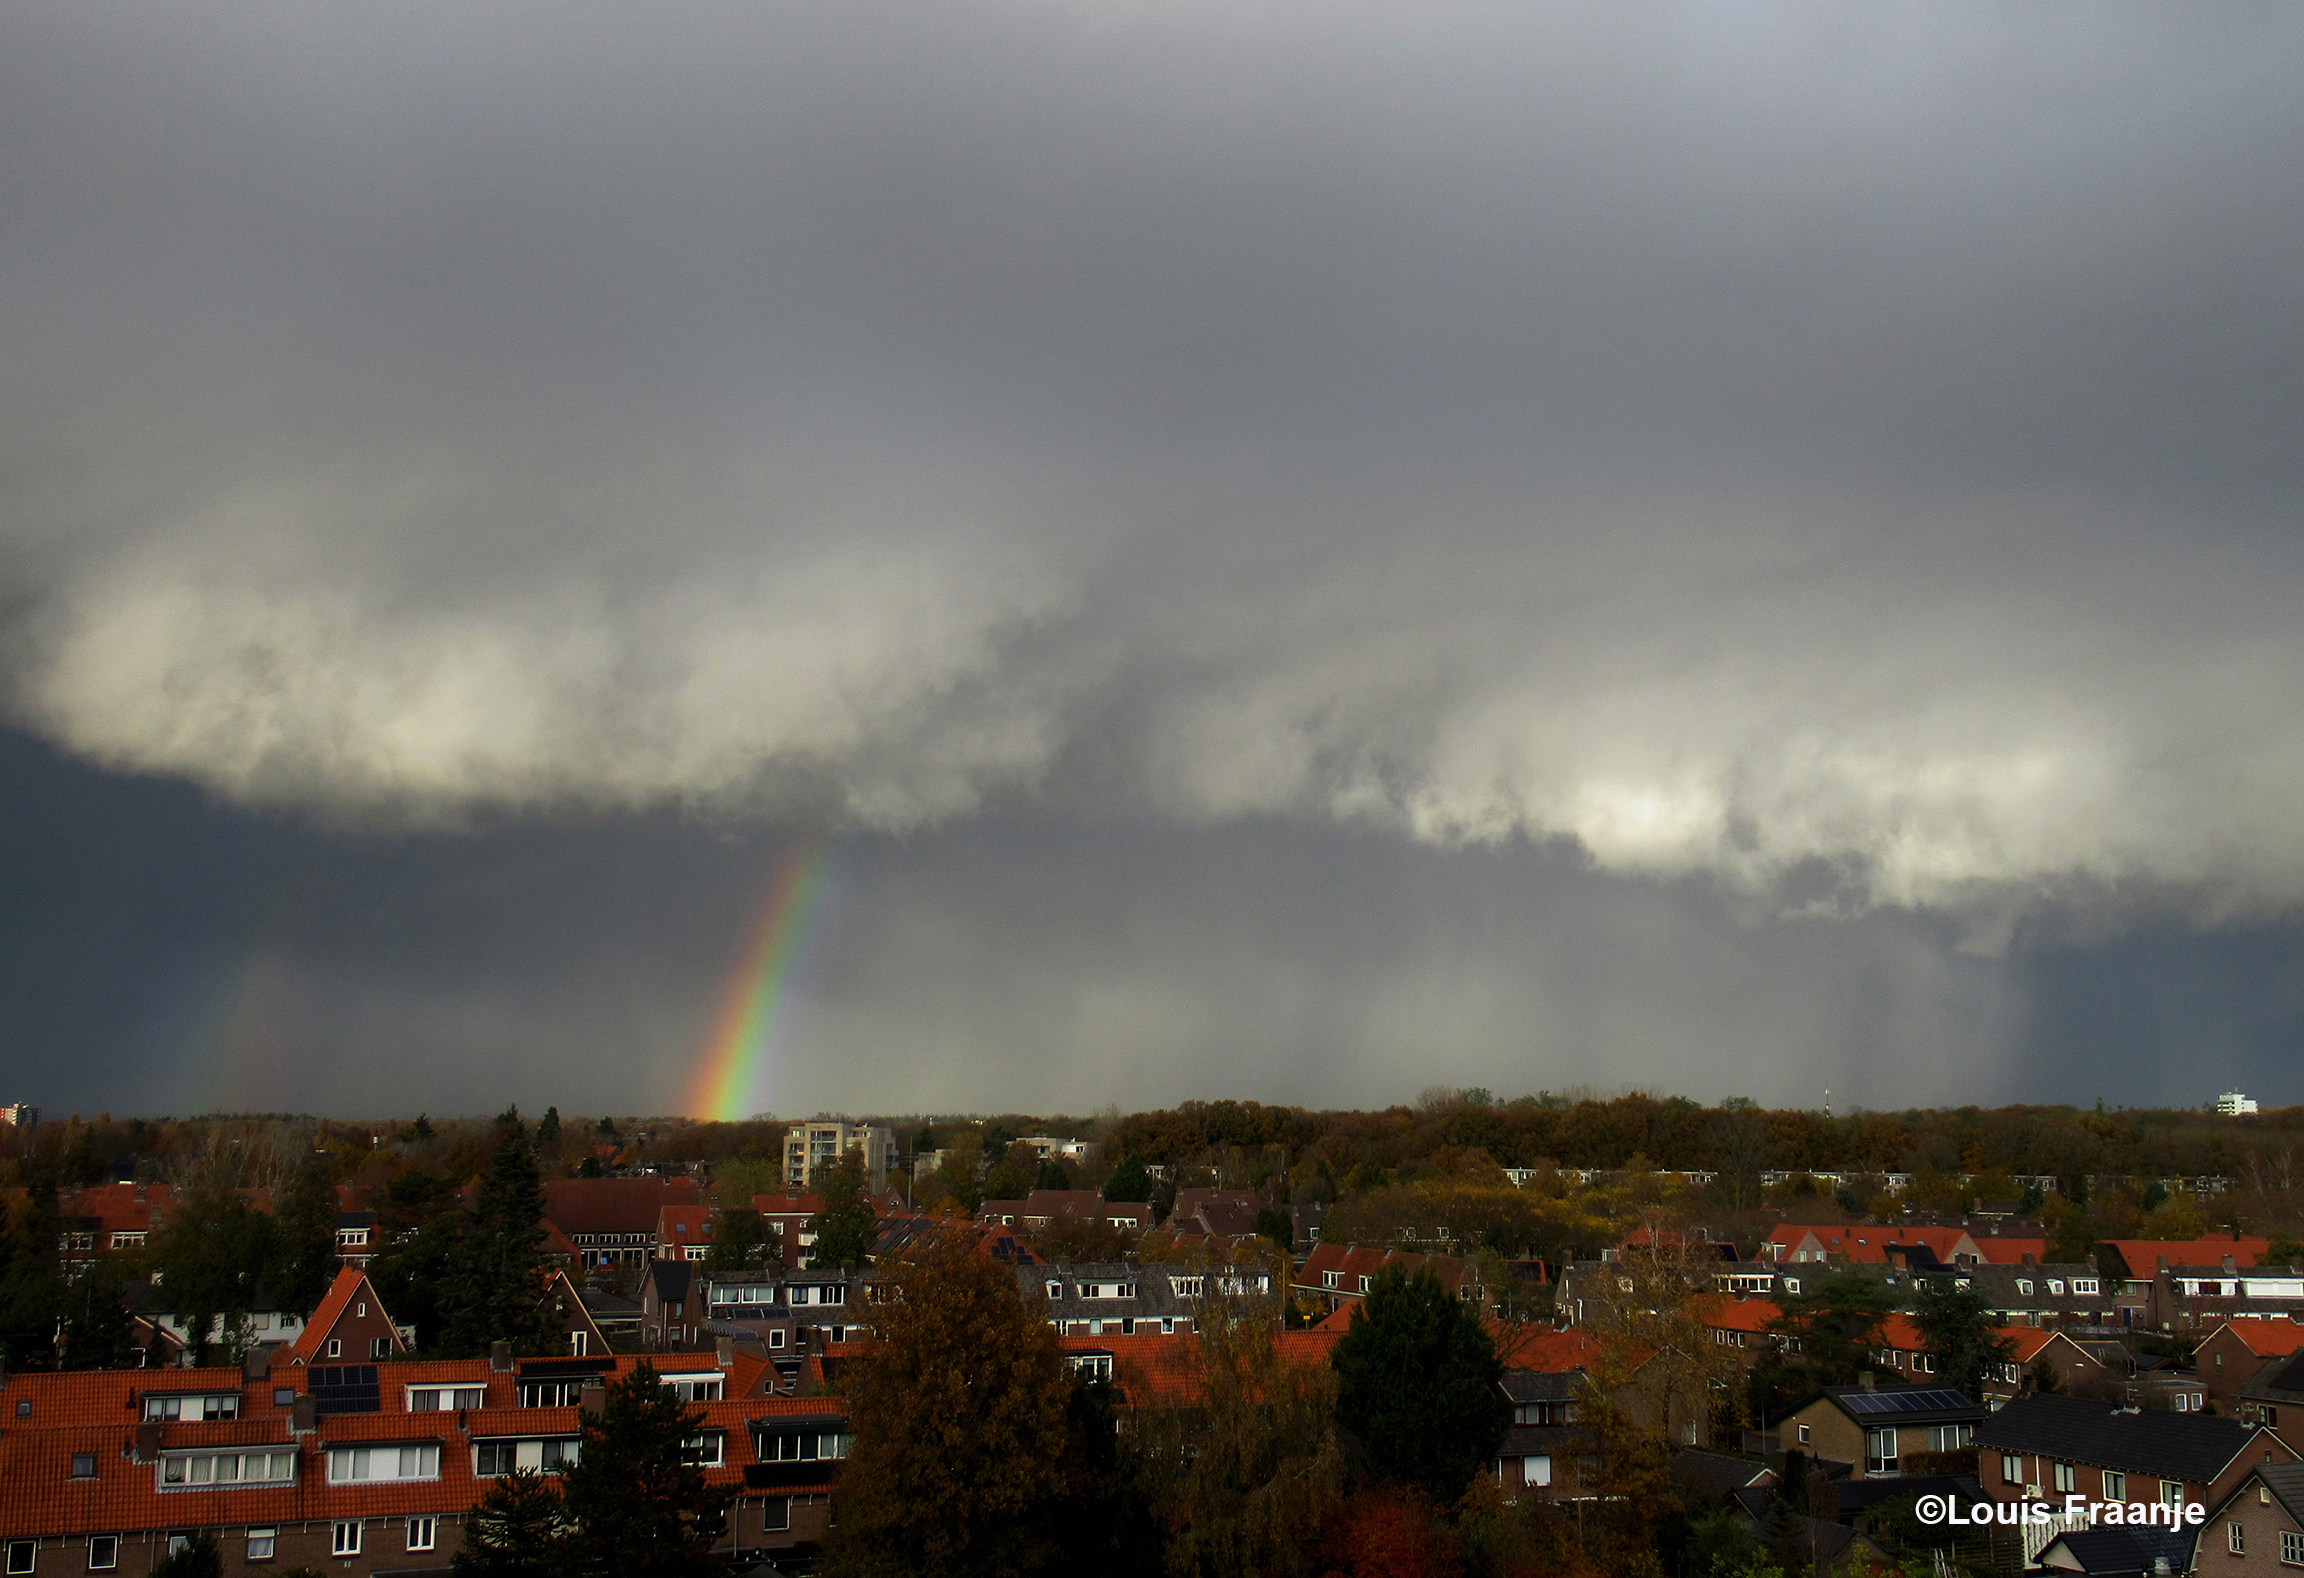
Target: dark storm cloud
{"x":1847,"y":458}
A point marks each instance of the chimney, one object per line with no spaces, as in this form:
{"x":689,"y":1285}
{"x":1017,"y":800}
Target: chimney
{"x":2230,"y":1264}
{"x":2160,"y":1262}
{"x":257,"y":1365}
{"x":2092,"y":1266}
{"x":148,"y":1441}
{"x":1864,"y":1379}
{"x":724,"y":1351}
{"x":2031,"y":1259}
{"x":304,"y":1417}
{"x":140,"y":1194}
{"x":500,"y":1357}
{"x":592,"y":1397}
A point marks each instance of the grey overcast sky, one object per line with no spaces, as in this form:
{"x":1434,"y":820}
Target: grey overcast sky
{"x":1292,"y":551}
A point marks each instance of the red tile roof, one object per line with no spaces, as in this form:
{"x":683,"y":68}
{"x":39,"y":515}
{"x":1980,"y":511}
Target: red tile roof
{"x":350,"y":1281}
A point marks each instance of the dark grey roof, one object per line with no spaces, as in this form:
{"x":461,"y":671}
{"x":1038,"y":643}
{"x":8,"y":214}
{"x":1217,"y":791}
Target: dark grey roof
{"x":1555,"y":1440}
{"x":2285,"y":1481}
{"x":2151,"y":1442}
{"x":670,"y":1278}
{"x":2278,"y":1379}
{"x":1713,"y":1475}
{"x":1900,"y":1405}
{"x":2117,"y":1551}
{"x":1862,"y":1495}
{"x":1540,"y":1386}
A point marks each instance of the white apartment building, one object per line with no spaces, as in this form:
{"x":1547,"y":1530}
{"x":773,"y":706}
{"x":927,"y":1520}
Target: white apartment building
{"x":812,"y":1146}
{"x":2234,"y":1105}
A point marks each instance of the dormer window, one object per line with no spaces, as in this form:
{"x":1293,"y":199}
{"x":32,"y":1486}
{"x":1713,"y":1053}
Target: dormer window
{"x":2023,"y":1287}
{"x":1364,"y":1283}
{"x":2056,"y":1287}
{"x":2087,"y":1285}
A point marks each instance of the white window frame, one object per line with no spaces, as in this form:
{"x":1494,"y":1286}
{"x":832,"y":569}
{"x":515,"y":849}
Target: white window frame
{"x":22,"y":1554}
{"x":2291,"y":1548}
{"x":111,"y":1559}
{"x":710,"y":1449}
{"x":268,"y":1538}
{"x":2063,"y":1477}
{"x":2115,"y":1485}
{"x":344,"y":1537}
{"x":423,"y":1533}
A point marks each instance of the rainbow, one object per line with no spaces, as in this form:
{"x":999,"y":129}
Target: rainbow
{"x":736,"y":1051}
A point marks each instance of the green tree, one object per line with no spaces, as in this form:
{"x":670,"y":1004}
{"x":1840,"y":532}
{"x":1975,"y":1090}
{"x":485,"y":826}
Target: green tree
{"x":1131,"y":1182}
{"x":496,"y":1270}
{"x":1957,"y":1323}
{"x":95,"y":1320}
{"x":517,"y":1530}
{"x":1825,"y":1334}
{"x":210,"y":1260}
{"x":1419,"y":1385}
{"x":1274,"y":1223}
{"x":306,"y":1214}
{"x":637,"y":1503}
{"x":742,"y":1242}
{"x":1051,"y":1175}
{"x":960,"y":1403}
{"x":844,"y":1228}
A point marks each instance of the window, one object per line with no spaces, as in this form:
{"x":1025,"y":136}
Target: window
{"x":262,"y":1543}
{"x":379,"y":1347}
{"x":776,"y":1513}
{"x":2056,"y":1287}
{"x":776,"y":1337}
{"x":283,"y":1396}
{"x":502,"y":1457}
{"x":2171,"y":1493}
{"x":1364,"y":1282}
{"x":548,"y":1394}
{"x":804,"y":1447}
{"x":2291,"y":1548}
{"x":2235,"y":1538}
{"x":2086,"y":1285}
{"x":695,"y":1388}
{"x":423,"y":1533}
{"x":1167,"y":1326}
{"x":1791,"y":1284}
{"x":179,"y":1470}
{"x":20,"y":1554}
{"x":1092,"y":1366}
{"x":444,"y":1399}
{"x":1536,"y":1469}
{"x":1331,"y":1279}
{"x":1880,"y":1451}
{"x":193,"y":1405}
{"x":2023,"y":1287}
{"x":706,"y":1450}
{"x":1950,"y":1438}
{"x":579,"y":1343}
{"x":103,"y":1552}
{"x":347,"y":1465}
{"x":1803,"y":1435}
{"x":345,"y":1538}
{"x":2115,"y":1485}
{"x":336,"y":1351}
{"x":2063,"y":1477}
{"x":83,"y":1465}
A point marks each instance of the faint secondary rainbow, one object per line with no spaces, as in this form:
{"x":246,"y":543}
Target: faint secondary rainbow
{"x":744,"y":1029}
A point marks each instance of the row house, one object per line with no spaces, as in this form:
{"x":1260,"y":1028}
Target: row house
{"x":1333,"y":1275}
{"x":362,"y":1469}
{"x":2189,"y":1300}
{"x":2135,"y":1258}
{"x":613,"y":1221}
{"x":2231,"y":1355}
{"x":2051,"y":1295}
{"x":1043,"y":1206}
{"x":2046,"y":1446}
{"x":148,"y":1307}
{"x":1130,"y":1298}
{"x":1916,"y":1246}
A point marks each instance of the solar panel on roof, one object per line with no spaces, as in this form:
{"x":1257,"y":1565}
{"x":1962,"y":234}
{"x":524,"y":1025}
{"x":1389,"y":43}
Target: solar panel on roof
{"x":346,"y":1389}
{"x":1904,"y":1402}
